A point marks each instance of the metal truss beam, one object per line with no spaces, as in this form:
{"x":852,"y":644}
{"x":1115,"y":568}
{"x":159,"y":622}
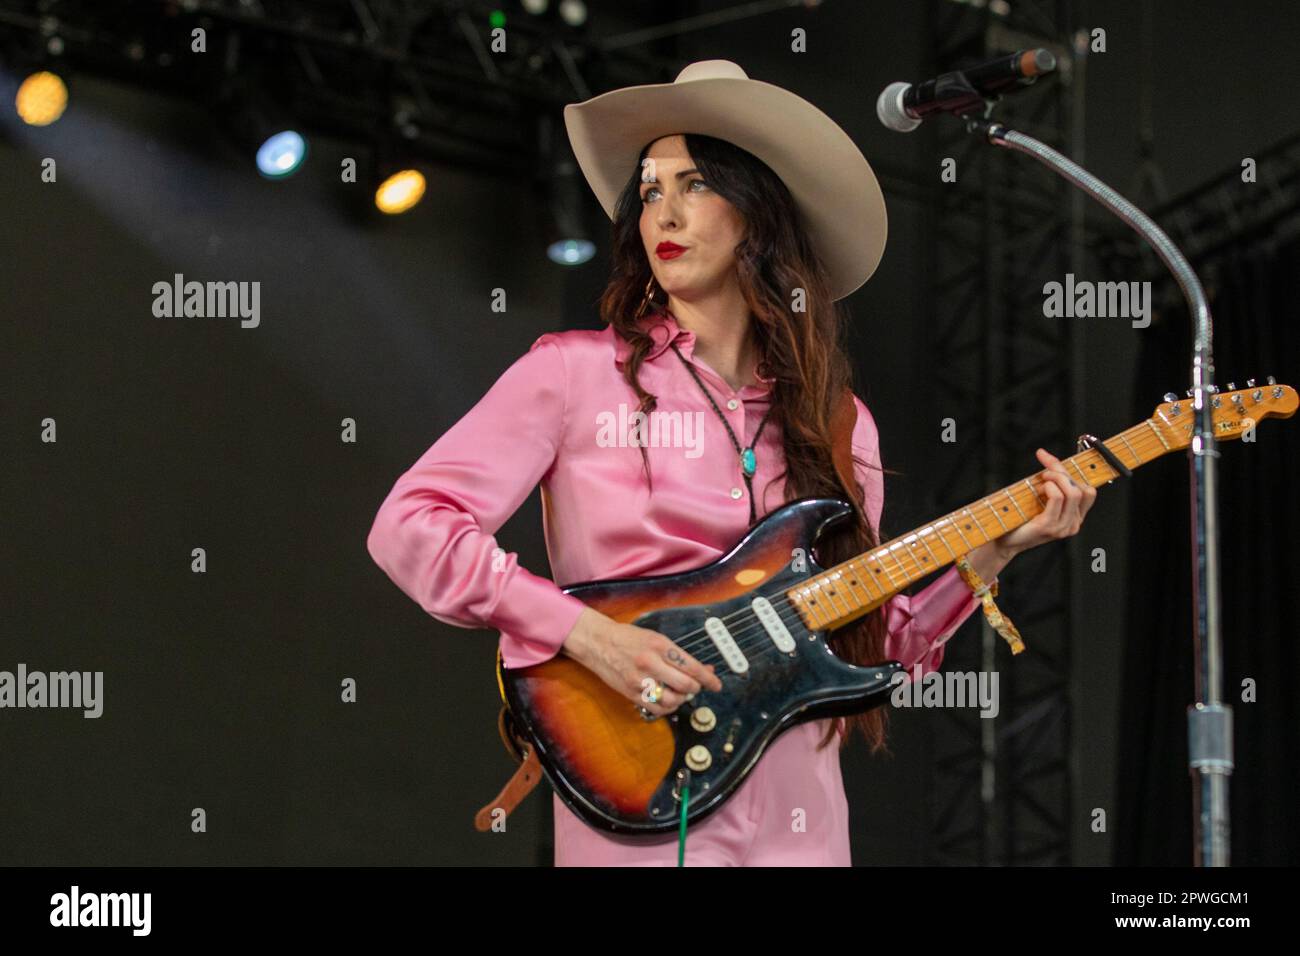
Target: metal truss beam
{"x":1001,"y":787}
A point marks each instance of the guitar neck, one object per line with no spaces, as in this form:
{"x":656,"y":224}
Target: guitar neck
{"x":849,"y":590}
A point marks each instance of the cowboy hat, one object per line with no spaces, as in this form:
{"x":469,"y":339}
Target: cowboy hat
{"x":831,"y":181}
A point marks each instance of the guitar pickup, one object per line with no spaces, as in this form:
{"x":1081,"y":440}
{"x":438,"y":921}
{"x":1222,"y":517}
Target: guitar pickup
{"x":773,"y":624}
{"x":731,"y":653}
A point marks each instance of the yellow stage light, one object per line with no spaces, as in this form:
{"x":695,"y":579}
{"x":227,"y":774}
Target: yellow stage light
{"x":41,"y":99}
{"x":400,"y":191}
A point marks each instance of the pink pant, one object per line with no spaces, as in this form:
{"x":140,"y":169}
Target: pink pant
{"x":790,"y":811}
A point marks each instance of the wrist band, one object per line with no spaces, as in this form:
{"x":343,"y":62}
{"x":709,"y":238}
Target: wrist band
{"x":997,"y":620}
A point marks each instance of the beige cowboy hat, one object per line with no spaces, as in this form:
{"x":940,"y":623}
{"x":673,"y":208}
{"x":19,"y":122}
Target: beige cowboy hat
{"x":831,"y":181}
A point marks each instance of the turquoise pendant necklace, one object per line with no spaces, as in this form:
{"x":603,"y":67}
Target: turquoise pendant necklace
{"x":748,"y":461}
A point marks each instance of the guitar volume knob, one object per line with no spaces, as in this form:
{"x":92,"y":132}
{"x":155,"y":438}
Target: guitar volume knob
{"x":703,"y":719}
{"x":698,"y":758}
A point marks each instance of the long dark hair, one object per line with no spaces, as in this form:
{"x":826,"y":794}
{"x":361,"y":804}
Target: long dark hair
{"x":802,"y":349}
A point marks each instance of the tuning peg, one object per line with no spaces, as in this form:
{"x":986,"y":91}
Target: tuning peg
{"x":1170,"y":397}
{"x":1231,"y":387}
{"x":1212,"y":389}
{"x":1189,"y":393}
{"x":1250,"y":383}
{"x":1271,"y":380}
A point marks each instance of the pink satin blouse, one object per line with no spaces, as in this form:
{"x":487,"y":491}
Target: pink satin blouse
{"x":559,"y":416}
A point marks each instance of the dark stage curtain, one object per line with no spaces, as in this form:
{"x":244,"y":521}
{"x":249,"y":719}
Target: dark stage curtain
{"x":1255,"y":302}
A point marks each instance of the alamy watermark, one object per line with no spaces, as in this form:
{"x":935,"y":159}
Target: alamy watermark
{"x":75,"y":689}
{"x":75,"y":908}
{"x":947,"y":689}
{"x":658,"y":429}
{"x":1085,"y":300}
{"x":179,"y":299}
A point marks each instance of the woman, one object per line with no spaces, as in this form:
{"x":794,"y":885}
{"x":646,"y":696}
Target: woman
{"x":730,"y":252}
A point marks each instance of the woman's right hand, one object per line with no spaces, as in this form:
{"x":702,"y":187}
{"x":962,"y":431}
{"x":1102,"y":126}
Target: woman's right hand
{"x":624,"y":656}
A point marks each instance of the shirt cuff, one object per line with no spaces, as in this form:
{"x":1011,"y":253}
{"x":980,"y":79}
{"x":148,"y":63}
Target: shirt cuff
{"x":925,"y":621}
{"x":534,"y":617}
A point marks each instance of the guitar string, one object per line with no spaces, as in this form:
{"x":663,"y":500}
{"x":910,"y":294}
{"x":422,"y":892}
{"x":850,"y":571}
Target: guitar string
{"x":1137,"y":437}
{"x":690,"y":639}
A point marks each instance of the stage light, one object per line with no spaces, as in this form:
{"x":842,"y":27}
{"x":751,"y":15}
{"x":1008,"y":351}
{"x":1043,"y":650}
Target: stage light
{"x":41,"y":99}
{"x":535,"y":7}
{"x":281,"y":154}
{"x":573,"y":12}
{"x":400,"y":191}
{"x":562,"y":198}
{"x":571,"y":252}
{"x":567,"y":240}
{"x":264,"y":129}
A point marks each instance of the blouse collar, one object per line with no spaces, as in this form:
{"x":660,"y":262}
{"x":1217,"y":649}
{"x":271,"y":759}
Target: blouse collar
{"x":664,"y":331}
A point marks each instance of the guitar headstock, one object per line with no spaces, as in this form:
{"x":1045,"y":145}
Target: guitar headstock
{"x":1232,"y":411}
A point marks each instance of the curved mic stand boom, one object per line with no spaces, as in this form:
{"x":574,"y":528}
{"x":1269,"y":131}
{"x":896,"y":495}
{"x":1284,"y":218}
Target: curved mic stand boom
{"x":1209,"y":719}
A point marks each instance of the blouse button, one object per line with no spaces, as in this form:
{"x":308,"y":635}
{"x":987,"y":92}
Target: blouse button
{"x":736,"y":492}
{"x":733,"y":404}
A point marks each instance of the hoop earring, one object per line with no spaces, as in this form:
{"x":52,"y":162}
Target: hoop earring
{"x":649,"y":295}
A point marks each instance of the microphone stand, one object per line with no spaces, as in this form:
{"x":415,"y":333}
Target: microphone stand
{"x":1209,"y":719}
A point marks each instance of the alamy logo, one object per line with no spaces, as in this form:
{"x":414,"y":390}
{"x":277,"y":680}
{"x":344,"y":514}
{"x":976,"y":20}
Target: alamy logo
{"x":102,"y":909}
{"x":76,"y":689}
{"x":656,"y":430}
{"x":208,"y":300}
{"x":1085,"y":300}
{"x":947,"y":689}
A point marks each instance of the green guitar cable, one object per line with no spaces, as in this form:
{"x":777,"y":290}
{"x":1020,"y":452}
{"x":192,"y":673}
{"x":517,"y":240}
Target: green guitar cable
{"x":683,"y":777}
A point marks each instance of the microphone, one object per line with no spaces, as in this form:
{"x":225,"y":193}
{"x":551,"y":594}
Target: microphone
{"x":902,"y":106}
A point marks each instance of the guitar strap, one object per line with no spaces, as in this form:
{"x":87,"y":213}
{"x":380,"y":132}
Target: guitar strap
{"x":529,"y":773}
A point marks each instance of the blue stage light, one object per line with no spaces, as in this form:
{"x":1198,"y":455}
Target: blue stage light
{"x":281,"y":154}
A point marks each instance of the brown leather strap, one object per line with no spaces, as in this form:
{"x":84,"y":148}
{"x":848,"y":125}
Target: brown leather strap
{"x":506,"y":728}
{"x":520,"y":785}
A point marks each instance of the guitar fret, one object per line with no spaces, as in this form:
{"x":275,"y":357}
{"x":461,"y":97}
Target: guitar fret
{"x":1151,"y":425}
{"x":892,"y":582}
{"x":864,"y":579}
{"x":832,"y":591}
{"x":945,"y":543}
{"x":802,"y":602}
{"x":1040,"y":501}
{"x":1071,"y":461}
{"x":1137,"y":460}
{"x":957,"y":528}
{"x":995,"y":514}
{"x":889,"y":549}
{"x":814,"y":592}
{"x":978,"y":525}
{"x":921,"y":535}
{"x":906,"y":547}
{"x":1008,"y":493}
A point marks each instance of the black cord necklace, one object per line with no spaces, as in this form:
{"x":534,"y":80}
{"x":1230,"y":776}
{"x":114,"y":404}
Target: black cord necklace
{"x":748,"y":461}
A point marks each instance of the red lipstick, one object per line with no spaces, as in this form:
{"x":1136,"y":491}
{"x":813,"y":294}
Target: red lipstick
{"x":669,"y":250}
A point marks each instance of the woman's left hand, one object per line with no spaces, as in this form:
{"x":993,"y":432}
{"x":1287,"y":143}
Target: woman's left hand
{"x":1067,"y":501}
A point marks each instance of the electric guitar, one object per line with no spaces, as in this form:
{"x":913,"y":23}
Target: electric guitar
{"x":763,"y":619}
